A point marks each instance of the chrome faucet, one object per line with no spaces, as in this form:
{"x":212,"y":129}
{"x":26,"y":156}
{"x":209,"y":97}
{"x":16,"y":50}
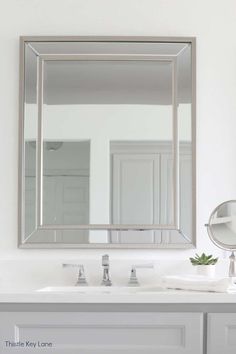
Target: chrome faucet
{"x":133,"y":280}
{"x":81,"y":281}
{"x":106,"y":276}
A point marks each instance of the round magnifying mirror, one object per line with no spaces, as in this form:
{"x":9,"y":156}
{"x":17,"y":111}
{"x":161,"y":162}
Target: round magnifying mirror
{"x":222,"y":230}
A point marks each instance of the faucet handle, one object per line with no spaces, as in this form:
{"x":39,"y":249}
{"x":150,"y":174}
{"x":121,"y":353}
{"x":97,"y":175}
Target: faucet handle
{"x":81,"y":276}
{"x":72,"y":265}
{"x":143,"y":266}
{"x":133,"y":280}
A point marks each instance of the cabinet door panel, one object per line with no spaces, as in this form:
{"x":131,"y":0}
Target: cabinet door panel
{"x":105,"y":333}
{"x":135,"y":195}
{"x":221,"y":333}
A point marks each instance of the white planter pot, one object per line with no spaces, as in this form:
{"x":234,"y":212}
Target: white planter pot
{"x":206,"y":270}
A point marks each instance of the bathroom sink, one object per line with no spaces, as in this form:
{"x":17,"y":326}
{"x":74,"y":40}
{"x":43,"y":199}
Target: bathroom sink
{"x":90,"y":289}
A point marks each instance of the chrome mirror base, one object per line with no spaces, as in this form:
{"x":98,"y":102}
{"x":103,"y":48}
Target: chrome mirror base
{"x":232,"y":265}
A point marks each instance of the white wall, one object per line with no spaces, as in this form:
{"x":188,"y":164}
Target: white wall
{"x":212,"y":22}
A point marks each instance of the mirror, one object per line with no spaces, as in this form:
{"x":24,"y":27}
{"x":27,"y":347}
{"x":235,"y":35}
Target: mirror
{"x":107,"y":142}
{"x":222,"y":225}
{"x":222,"y":229}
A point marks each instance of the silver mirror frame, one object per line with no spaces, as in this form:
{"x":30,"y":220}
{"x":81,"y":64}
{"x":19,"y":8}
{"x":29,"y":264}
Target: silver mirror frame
{"x":39,"y":225}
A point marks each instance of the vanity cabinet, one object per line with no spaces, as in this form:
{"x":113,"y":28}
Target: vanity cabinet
{"x":221,"y":333}
{"x":104,"y":333}
{"x":129,"y":329}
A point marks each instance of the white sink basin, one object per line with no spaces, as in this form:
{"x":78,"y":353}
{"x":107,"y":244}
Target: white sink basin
{"x":91,"y":289}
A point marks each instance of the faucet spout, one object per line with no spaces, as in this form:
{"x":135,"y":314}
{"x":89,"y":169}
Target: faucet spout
{"x":106,"y":281}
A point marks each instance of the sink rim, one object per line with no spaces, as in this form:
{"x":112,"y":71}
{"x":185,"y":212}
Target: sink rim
{"x":89,"y":289}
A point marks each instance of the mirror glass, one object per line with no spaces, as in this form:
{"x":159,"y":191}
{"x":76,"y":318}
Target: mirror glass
{"x":107,"y":141}
{"x":222,"y":225}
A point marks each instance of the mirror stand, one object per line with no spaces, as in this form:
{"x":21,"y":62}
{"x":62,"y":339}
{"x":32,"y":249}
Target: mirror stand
{"x":232,"y":268}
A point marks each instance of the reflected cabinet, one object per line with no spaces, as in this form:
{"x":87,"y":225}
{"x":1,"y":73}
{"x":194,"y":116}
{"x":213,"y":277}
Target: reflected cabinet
{"x":107,"y":142}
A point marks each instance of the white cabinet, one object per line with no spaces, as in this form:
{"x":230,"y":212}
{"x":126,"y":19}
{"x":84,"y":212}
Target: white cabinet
{"x":104,"y":332}
{"x":221,"y":333}
{"x":136,"y":196}
{"x":142,"y":191}
{"x":66,"y":201}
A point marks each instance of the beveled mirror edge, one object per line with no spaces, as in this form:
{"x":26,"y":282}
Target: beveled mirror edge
{"x":105,"y":246}
{"x":194,"y":143}
{"x":21,"y":143}
{"x":21,"y":241}
{"x":178,"y":39}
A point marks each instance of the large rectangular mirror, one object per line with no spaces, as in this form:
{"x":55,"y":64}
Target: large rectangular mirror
{"x":107,"y":142}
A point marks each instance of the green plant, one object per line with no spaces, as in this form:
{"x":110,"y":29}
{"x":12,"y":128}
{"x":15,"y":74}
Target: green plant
{"x":203,"y":260}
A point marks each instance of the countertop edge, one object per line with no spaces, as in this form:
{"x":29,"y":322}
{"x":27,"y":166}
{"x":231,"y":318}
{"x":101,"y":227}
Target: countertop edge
{"x":171,"y":297}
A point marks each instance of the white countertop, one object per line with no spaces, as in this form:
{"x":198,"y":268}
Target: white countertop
{"x":159,"y":297}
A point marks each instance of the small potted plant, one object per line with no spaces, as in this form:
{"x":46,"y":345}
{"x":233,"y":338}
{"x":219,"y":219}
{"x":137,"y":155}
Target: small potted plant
{"x":205,"y":265}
